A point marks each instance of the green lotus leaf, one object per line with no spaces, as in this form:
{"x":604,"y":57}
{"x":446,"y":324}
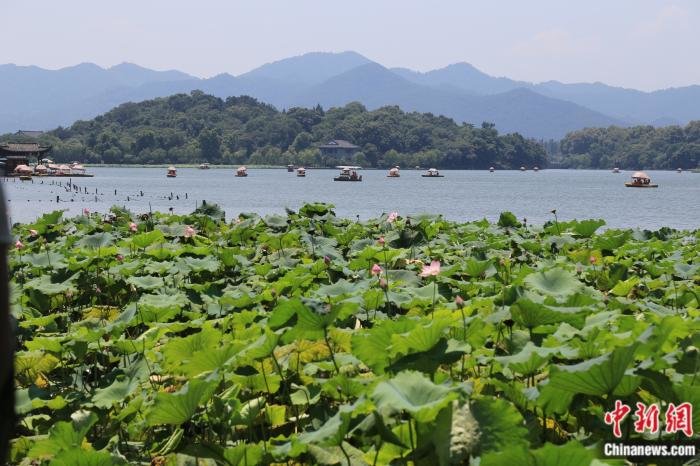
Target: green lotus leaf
{"x":597,"y":377}
{"x":412,"y":392}
{"x":508,"y":220}
{"x":501,"y":425}
{"x":160,"y":307}
{"x":373,"y":346}
{"x":146,"y":282}
{"x":554,"y":282}
{"x":144,"y":240}
{"x":623,"y":288}
{"x":530,"y":314}
{"x":46,"y":286}
{"x":339,"y":288}
{"x":123,"y":385}
{"x":586,"y":228}
{"x":48,"y":259}
{"x":243,"y":455}
{"x":96,"y":241}
{"x":64,"y":436}
{"x":275,"y":221}
{"x":177,"y":408}
{"x":569,"y":454}
{"x":529,"y":360}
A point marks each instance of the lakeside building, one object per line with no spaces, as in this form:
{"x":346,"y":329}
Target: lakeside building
{"x":338,"y":148}
{"x":14,"y":154}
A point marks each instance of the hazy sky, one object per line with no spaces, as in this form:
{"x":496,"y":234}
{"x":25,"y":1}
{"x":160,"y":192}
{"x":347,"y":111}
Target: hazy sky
{"x":645,"y":44}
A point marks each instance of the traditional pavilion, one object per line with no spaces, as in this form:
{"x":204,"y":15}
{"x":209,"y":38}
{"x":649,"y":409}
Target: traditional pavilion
{"x":338,"y":148}
{"x":18,"y":153}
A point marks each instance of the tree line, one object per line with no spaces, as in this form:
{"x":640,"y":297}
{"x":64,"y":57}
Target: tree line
{"x":196,"y":127}
{"x":634,"y":148}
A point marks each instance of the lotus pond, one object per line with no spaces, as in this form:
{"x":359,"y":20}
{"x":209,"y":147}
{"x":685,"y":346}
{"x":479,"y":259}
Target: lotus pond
{"x":312,"y":339}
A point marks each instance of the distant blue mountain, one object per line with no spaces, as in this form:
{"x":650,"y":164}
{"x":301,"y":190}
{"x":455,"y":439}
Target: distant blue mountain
{"x":36,"y":98}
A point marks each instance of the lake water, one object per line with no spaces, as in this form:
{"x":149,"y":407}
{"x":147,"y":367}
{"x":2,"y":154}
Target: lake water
{"x":460,"y":195}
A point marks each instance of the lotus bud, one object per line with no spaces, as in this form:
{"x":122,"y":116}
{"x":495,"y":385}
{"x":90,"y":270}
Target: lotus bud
{"x":119,"y":257}
{"x":579,"y":269}
{"x":33,"y":233}
{"x":133,"y":227}
{"x":383,"y":284}
{"x":19,"y":244}
{"x":326,"y":260}
{"x":376,"y":269}
{"x":381,"y":241}
{"x":86,"y":211}
{"x":189,"y":232}
{"x":553,"y":211}
{"x":592,"y":260}
{"x":69,"y":294}
{"x":459,"y":301}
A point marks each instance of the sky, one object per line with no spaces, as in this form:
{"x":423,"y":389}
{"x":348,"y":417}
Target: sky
{"x":642,"y":44}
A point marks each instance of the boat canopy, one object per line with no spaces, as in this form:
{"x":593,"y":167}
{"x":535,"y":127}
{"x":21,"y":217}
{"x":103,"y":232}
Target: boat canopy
{"x":432,"y":170}
{"x":171,"y":168}
{"x":23,"y":169}
{"x":41,"y":168}
{"x":640,"y":175}
{"x":394,"y":170}
{"x":348,"y":167}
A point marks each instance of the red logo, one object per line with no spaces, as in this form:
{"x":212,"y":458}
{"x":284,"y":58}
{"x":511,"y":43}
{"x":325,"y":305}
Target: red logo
{"x":678,"y":418}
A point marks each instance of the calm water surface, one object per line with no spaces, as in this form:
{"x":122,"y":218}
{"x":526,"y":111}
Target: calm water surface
{"x":460,"y":195}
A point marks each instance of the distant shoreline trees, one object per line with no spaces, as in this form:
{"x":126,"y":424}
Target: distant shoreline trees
{"x":195,"y":127}
{"x":637,"y":147}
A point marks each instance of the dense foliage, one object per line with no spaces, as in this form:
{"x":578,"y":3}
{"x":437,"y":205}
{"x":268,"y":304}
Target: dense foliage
{"x":638,"y":147}
{"x":317,"y":340}
{"x":198,"y":127}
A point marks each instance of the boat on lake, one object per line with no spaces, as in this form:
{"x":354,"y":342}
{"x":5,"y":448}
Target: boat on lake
{"x":679,"y":170}
{"x":522,"y":169}
{"x":491,"y":169}
{"x":394,"y":172}
{"x":536,"y":168}
{"x":616,"y":170}
{"x":172,"y":172}
{"x":432,"y":173}
{"x":640,"y":180}
{"x":301,"y":171}
{"x":348,"y":173}
{"x":242,"y":172}
{"x":290,"y":168}
{"x":204,"y":166}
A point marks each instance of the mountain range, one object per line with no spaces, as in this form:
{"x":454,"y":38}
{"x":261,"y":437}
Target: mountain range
{"x":32,"y":98}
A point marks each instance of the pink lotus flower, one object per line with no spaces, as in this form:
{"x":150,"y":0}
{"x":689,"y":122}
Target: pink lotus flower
{"x":119,"y":257}
{"x":392,"y":217}
{"x":376,"y":270}
{"x":19,"y":244}
{"x":189,"y":232}
{"x":431,"y":270}
{"x":592,"y":260}
{"x":86,"y":211}
{"x":459,"y":301}
{"x":381,"y":241}
{"x":133,"y":227}
{"x":33,"y":233}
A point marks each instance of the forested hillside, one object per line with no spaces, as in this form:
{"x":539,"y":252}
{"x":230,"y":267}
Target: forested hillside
{"x":195,"y":127}
{"x":639,"y":147}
